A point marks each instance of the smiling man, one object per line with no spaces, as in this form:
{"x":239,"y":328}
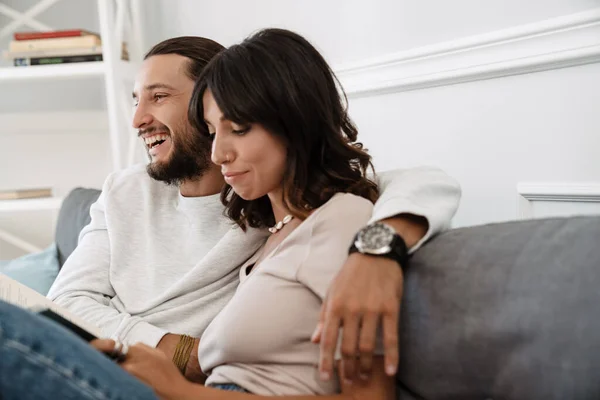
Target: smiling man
{"x":159,"y":259}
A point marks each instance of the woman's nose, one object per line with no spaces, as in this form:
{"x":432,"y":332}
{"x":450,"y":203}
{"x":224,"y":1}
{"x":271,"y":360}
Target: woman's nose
{"x":220,"y":152}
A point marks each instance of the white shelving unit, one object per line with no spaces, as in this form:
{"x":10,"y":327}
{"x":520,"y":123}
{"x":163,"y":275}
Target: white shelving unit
{"x":119,"y":21}
{"x":60,"y":71}
{"x":49,"y":203}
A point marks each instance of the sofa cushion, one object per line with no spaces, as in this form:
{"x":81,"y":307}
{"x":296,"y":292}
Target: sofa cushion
{"x":504,"y":311}
{"x":73,"y":216}
{"x":36,"y":271}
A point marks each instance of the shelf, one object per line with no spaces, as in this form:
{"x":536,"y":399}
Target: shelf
{"x":47,"y":203}
{"x":61,"y":71}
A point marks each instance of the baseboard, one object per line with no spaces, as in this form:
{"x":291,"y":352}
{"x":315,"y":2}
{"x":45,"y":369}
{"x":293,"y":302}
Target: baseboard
{"x":566,"y":41}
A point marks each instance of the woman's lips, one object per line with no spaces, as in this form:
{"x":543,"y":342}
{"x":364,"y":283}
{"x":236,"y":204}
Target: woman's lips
{"x":231,"y":177}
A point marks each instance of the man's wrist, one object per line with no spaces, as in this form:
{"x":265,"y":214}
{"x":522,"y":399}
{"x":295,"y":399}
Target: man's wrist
{"x":411,"y":228}
{"x":381,"y":240}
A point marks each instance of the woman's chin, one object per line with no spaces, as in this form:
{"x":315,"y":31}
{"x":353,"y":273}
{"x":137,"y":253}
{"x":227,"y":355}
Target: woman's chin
{"x":246,"y":195}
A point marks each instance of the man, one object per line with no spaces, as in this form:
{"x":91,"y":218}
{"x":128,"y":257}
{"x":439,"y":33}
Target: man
{"x":159,"y":260}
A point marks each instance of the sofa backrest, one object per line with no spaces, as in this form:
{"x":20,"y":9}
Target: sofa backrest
{"x":504,"y":311}
{"x":73,"y":216}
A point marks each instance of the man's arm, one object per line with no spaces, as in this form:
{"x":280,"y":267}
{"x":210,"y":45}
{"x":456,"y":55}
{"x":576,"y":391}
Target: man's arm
{"x":83,"y":284}
{"x":417,"y":203}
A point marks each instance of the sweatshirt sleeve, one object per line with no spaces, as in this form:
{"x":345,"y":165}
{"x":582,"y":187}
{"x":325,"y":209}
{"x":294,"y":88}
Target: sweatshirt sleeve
{"x":83,"y":284}
{"x":424,"y":191}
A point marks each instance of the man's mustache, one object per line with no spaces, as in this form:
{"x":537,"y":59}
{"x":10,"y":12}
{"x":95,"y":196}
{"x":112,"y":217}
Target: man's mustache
{"x":153,"y":129}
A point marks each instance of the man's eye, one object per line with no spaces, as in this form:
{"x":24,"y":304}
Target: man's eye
{"x":158,"y":96}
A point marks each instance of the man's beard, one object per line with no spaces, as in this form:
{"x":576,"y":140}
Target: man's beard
{"x":189,"y":158}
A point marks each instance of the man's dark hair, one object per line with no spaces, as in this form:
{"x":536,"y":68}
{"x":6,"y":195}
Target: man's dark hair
{"x":199,"y":50}
{"x":276,"y":78}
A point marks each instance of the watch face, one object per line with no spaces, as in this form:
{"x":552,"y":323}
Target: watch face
{"x":375,"y":239}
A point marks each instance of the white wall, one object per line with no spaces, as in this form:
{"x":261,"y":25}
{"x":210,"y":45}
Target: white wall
{"x":351,"y":30}
{"x":490,"y":134}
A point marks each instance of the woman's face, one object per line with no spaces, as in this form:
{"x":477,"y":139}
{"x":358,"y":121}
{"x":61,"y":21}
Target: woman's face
{"x":252,"y":159}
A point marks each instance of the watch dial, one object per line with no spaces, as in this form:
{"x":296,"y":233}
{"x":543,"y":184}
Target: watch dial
{"x":376,"y":236}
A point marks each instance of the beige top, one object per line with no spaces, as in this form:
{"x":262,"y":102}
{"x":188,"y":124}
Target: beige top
{"x":261,"y":339}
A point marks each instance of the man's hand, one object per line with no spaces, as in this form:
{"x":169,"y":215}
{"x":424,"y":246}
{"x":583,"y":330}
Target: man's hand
{"x":193,"y":372}
{"x":366,"y":292}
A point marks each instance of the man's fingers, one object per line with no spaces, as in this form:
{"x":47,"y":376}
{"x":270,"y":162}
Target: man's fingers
{"x":366,"y":344}
{"x":390,"y":338}
{"x":103,"y":345}
{"x":329,"y":338}
{"x":316,"y":336}
{"x":349,"y":348}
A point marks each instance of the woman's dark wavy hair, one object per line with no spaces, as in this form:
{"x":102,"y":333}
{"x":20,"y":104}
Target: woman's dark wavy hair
{"x":276,"y":78}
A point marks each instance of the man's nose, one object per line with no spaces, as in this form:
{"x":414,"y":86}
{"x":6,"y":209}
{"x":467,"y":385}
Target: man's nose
{"x":141,"y":117}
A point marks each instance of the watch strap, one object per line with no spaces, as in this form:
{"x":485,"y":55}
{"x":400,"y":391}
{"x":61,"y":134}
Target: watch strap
{"x":399,"y":252}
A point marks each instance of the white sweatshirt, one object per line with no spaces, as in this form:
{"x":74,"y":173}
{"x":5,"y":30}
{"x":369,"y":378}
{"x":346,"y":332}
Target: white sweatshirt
{"x":153,"y":262}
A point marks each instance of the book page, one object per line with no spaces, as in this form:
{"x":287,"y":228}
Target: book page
{"x":20,"y":295}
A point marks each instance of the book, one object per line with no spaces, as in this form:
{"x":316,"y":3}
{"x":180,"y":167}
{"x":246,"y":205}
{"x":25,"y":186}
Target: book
{"x":57,"y":43}
{"x":52,"y":34}
{"x":76,"y":51}
{"x":25,"y":194}
{"x":20,"y":295}
{"x":24,"y":62}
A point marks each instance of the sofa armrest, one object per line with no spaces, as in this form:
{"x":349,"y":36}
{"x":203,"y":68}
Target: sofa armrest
{"x":73,"y":216}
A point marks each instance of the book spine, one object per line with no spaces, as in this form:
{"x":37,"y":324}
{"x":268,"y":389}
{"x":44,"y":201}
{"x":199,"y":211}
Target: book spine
{"x":54,"y":53}
{"x":60,"y":43}
{"x":23,"y":62}
{"x":49,"y":35}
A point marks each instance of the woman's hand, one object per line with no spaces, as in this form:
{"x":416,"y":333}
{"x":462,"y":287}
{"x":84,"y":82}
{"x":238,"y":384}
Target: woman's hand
{"x":152,"y":367}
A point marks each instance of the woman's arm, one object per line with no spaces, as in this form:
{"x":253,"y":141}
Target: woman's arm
{"x":153,"y":368}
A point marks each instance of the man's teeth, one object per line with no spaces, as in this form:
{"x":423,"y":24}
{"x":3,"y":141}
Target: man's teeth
{"x":153,"y":139}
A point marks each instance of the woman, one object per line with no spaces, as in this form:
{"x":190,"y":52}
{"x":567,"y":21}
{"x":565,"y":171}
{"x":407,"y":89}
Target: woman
{"x":285,"y":145}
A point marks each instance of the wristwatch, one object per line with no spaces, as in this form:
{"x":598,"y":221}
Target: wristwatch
{"x":379,"y":239}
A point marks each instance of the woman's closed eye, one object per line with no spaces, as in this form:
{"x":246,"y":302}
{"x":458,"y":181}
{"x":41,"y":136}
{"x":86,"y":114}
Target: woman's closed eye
{"x":240,"y":129}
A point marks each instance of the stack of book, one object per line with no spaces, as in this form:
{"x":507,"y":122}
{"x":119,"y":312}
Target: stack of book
{"x":55,"y":47}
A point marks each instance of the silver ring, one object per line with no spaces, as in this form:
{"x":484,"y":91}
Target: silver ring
{"x":124,"y":349}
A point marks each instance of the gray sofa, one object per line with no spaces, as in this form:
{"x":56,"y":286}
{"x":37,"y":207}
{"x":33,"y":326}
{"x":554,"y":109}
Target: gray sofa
{"x":502,"y":311}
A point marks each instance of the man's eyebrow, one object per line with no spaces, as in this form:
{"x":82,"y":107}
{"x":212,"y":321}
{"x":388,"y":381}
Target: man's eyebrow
{"x":153,"y":87}
{"x":158,"y":86}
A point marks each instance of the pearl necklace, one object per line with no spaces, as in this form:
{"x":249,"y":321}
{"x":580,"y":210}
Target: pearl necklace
{"x":278,"y":226}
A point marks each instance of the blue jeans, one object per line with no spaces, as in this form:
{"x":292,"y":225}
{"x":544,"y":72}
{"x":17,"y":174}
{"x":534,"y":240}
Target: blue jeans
{"x":232,"y":387}
{"x":40,"y":359}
